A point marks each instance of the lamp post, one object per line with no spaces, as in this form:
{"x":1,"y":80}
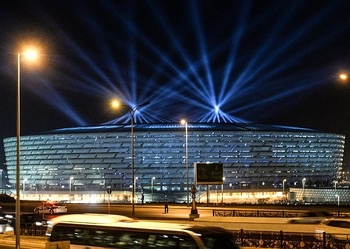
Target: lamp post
{"x":30,"y":55}
{"x":184,"y":122}
{"x":338,"y":198}
{"x":284,"y":180}
{"x":132,"y":111}
{"x":70,"y":184}
{"x":303,"y":183}
{"x":24,"y":185}
{"x":152,"y":182}
{"x":335,"y":184}
{"x":222,"y":190}
{"x":135,"y":186}
{"x":2,"y":178}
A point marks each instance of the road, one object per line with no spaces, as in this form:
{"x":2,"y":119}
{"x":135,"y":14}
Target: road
{"x":180,"y":214}
{"x":177,"y":214}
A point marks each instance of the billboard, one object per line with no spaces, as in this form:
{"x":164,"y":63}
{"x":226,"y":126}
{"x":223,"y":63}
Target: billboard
{"x":209,"y":173}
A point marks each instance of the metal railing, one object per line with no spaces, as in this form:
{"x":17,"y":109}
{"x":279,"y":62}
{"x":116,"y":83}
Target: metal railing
{"x":32,"y":229}
{"x":267,"y":213}
{"x":288,"y":240}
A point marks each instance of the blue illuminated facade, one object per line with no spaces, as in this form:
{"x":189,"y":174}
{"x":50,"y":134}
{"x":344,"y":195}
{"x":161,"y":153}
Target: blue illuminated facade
{"x":254,"y":156}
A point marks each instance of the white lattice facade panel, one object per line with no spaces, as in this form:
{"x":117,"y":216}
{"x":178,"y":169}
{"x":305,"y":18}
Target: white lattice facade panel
{"x":252,"y":158}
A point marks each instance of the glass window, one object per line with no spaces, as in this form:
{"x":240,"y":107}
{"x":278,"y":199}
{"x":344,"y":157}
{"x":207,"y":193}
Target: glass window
{"x":219,"y":241}
{"x":111,"y":238}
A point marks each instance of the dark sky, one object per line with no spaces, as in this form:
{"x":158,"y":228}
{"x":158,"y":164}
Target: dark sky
{"x":271,"y":62}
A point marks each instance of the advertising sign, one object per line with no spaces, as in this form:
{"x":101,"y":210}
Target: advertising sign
{"x":209,"y":173}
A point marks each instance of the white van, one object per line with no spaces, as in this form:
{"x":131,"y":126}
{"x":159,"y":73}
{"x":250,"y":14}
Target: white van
{"x":95,"y":231}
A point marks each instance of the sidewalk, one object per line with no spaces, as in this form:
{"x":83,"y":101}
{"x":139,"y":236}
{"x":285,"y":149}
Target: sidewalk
{"x":25,"y":241}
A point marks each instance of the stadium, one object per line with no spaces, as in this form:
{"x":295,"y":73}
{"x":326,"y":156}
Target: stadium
{"x":79,"y":164}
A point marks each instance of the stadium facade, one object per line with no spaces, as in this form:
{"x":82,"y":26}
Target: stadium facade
{"x":255,"y":157}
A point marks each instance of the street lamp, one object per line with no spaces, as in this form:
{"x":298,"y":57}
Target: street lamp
{"x":30,"y":55}
{"x":152,"y":181}
{"x":2,"y":178}
{"x":70,"y":184}
{"x":335,"y":184}
{"x":132,"y":110}
{"x":338,"y":198}
{"x":343,"y":76}
{"x":284,"y":180}
{"x":24,"y":185}
{"x":303,"y":183}
{"x":222,"y":190}
{"x":135,"y":187}
{"x":184,"y":122}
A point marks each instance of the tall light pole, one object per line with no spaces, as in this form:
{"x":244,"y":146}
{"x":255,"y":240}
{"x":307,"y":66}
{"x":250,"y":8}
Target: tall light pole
{"x":135,"y":186}
{"x":70,"y":184}
{"x":132,"y":111}
{"x":284,"y":181}
{"x":24,"y":185}
{"x":303,"y":183}
{"x":30,"y":55}
{"x":184,"y":122}
{"x":222,"y":190}
{"x":2,"y":178}
{"x":335,"y":184}
{"x":338,"y":197}
{"x":152,"y":182}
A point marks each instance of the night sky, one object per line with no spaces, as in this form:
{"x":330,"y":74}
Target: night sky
{"x":270,"y":62}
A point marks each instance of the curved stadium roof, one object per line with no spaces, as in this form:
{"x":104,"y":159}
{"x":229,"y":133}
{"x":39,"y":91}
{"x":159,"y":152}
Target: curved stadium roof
{"x":177,"y":126}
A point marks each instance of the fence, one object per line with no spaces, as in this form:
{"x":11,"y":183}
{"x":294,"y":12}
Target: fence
{"x":267,"y":213}
{"x":33,"y":229}
{"x":289,"y":240}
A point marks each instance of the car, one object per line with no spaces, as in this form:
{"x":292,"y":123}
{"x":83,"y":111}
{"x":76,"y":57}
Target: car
{"x":310,"y":217}
{"x":4,"y":222}
{"x":50,"y":208}
{"x":335,"y":228}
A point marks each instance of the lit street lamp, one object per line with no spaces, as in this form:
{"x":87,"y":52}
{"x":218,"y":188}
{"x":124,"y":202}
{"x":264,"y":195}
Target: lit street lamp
{"x":335,"y":184}
{"x":338,"y":197}
{"x":184,"y":122}
{"x":2,"y":178}
{"x":135,"y":187}
{"x":284,"y":181}
{"x":222,"y":190}
{"x":343,"y":76}
{"x":303,"y":183}
{"x":30,"y":55}
{"x":152,"y":182}
{"x":132,"y":111}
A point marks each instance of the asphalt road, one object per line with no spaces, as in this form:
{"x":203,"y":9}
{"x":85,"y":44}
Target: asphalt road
{"x":176,"y":214}
{"x":179,"y":214}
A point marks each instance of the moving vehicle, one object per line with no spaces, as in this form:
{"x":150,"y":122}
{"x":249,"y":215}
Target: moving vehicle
{"x":50,"y":208}
{"x":310,"y":217}
{"x":114,"y":231}
{"x":5,"y":222}
{"x":337,"y":228}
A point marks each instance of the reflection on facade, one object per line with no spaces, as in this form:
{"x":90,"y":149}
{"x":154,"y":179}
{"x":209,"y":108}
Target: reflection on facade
{"x":87,"y":160}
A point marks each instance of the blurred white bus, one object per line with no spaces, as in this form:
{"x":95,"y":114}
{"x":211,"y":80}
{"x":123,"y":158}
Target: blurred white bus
{"x":95,"y":231}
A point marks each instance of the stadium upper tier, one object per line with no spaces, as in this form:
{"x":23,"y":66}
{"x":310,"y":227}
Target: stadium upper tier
{"x":255,"y":156}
